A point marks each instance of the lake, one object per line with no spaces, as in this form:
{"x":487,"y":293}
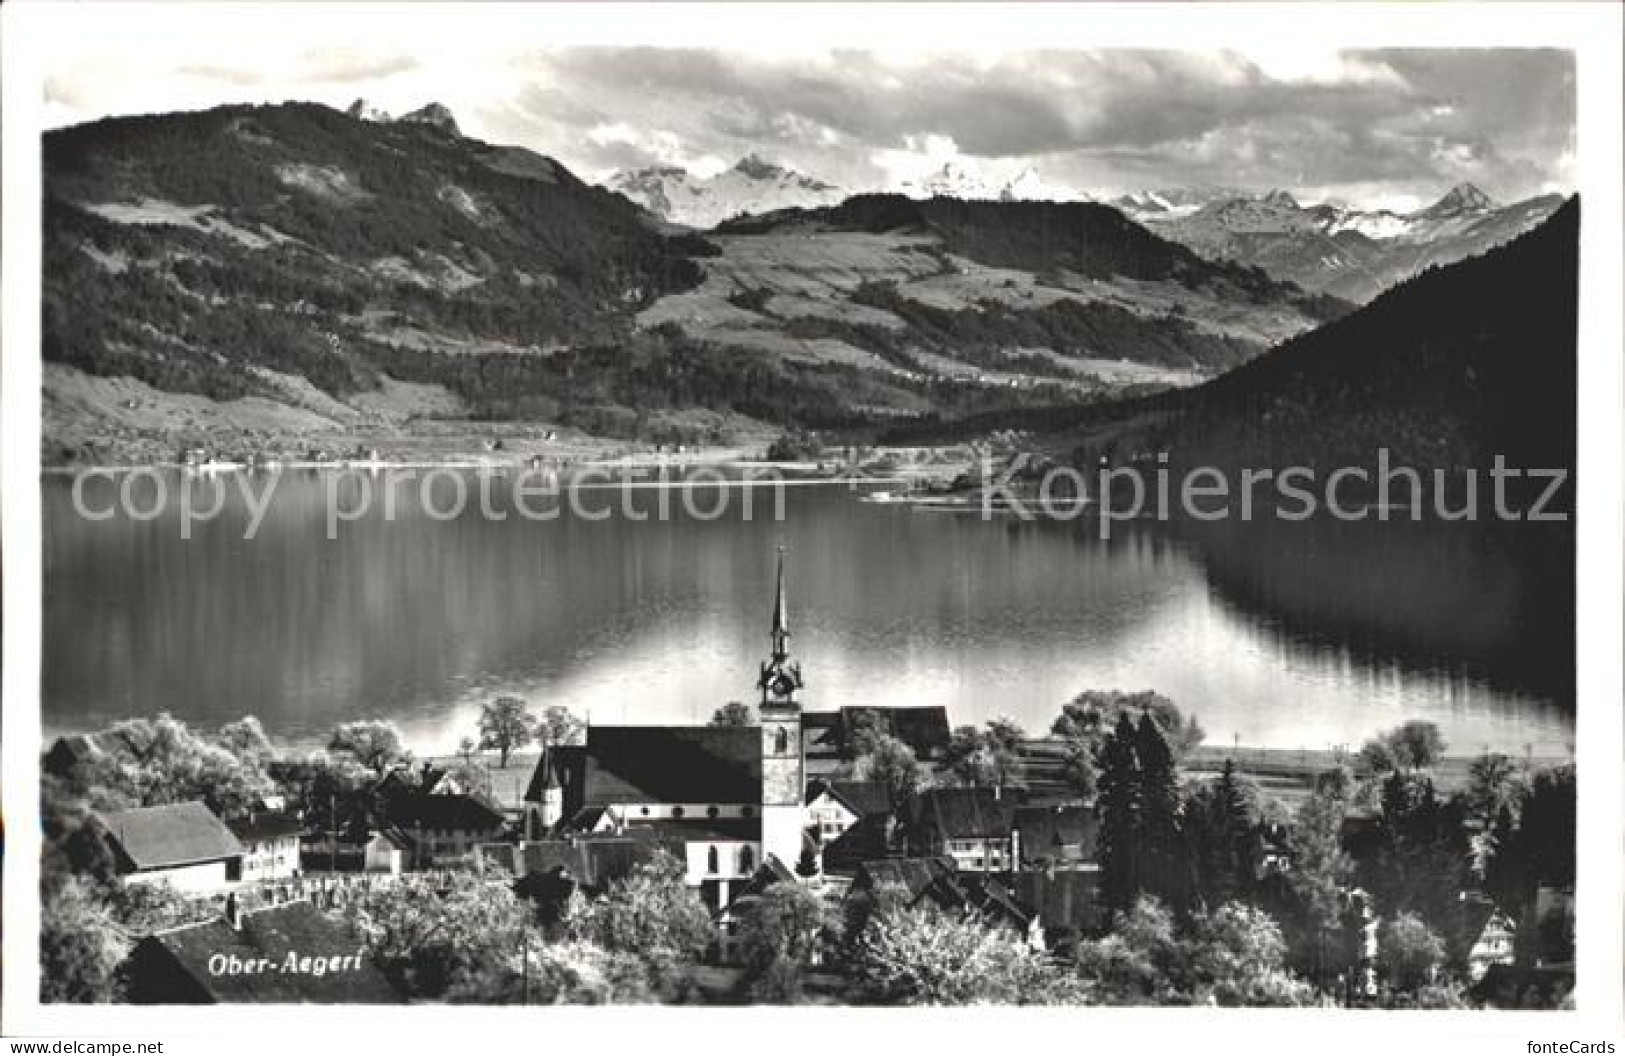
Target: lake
{"x":1272,"y":634}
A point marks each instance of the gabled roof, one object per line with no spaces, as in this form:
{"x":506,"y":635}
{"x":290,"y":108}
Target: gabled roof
{"x":561,"y":766}
{"x":257,"y":828}
{"x":509,"y":785}
{"x":69,"y":751}
{"x":170,"y":835}
{"x":934,"y":881}
{"x":966,"y":813}
{"x":173,"y":966}
{"x":864,"y":841}
{"x":457,"y":811}
{"x":1058,"y":832}
{"x":673,"y":764}
{"x":860,"y":797}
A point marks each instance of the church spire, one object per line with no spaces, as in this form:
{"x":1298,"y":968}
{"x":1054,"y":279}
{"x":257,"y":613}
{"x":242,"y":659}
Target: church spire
{"x":780,"y":678}
{"x":781,"y":621}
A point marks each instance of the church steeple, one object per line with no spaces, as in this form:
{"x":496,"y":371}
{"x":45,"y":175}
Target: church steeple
{"x":780,"y":633}
{"x":780,"y":678}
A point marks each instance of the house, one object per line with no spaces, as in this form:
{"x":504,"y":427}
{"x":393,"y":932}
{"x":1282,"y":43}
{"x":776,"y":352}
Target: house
{"x":286,"y":954}
{"x":835,"y":805}
{"x":69,"y":751}
{"x":504,"y":787}
{"x":972,"y":826}
{"x":870,"y":838}
{"x":182,"y":844}
{"x":443,"y":829}
{"x":938,"y":882}
{"x":385,"y":851}
{"x":270,"y":843}
{"x":1060,"y":836}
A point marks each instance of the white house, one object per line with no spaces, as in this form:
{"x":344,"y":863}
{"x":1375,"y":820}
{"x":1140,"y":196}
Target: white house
{"x":182,"y":844}
{"x":270,"y":845}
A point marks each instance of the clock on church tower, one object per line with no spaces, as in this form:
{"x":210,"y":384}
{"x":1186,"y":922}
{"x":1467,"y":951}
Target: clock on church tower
{"x":783,"y":784}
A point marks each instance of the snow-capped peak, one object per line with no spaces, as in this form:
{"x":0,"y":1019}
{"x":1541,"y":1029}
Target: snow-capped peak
{"x":1462,"y":198}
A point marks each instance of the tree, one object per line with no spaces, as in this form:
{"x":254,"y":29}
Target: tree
{"x":1413,"y":745}
{"x":988,"y":758}
{"x":1409,"y":953}
{"x":782,"y":933}
{"x":559,"y":726}
{"x":1093,"y":714}
{"x":1121,"y":809}
{"x":891,"y":762}
{"x":89,"y":925}
{"x":734,"y":713}
{"x":1167,"y":868}
{"x":1314,"y":905}
{"x":928,"y":956}
{"x":505,"y":726}
{"x":433,"y":941}
{"x":1138,"y":962}
{"x":1221,"y":825}
{"x":1238,"y":958}
{"x":653,"y":915}
{"x":1532,"y":846}
{"x":1420,"y":856}
{"x":374,"y":743}
{"x":149,"y":762}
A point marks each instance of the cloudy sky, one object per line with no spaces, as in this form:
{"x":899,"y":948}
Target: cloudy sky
{"x":1376,"y":127}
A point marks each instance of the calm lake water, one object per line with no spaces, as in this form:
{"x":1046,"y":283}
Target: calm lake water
{"x":1274,"y":634}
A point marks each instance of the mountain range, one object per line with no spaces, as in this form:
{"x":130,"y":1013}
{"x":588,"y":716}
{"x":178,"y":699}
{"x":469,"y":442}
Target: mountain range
{"x":260,"y":275}
{"x":1450,"y":369}
{"x":1347,"y":252}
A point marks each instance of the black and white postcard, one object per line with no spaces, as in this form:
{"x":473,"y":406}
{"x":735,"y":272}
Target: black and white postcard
{"x":1022,"y":520}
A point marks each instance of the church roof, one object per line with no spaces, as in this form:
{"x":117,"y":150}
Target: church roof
{"x":673,"y":764}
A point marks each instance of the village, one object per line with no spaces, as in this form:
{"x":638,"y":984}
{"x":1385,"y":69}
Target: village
{"x":788,"y":839}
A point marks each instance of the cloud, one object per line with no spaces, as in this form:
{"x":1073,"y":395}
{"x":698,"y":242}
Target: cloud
{"x":1391,"y":122}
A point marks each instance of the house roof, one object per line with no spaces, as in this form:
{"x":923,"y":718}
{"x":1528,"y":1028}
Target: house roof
{"x":863,"y":841}
{"x":860,"y":797}
{"x":170,"y":835}
{"x":673,"y":764}
{"x":967,"y":813}
{"x":935,"y":881}
{"x":172,"y":966}
{"x":1058,"y":831}
{"x":70,"y":750}
{"x":560,"y":766}
{"x":257,"y":828}
{"x":456,"y":811}
{"x":509,"y":784}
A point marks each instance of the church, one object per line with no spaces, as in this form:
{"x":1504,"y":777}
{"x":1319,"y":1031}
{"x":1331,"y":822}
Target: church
{"x":725,"y":799}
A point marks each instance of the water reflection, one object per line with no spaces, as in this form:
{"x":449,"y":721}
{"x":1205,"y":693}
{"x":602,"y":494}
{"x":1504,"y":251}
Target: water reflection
{"x":1301,"y":639}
